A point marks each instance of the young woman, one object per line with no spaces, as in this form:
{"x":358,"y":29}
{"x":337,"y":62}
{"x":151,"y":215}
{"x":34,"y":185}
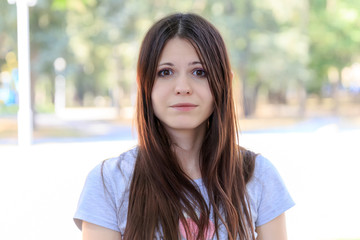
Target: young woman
{"x":187,"y":178}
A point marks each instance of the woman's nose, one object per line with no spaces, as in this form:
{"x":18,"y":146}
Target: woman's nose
{"x":182,"y":86}
{"x":183,"y":91}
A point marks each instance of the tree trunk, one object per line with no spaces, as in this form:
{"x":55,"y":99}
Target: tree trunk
{"x":249,"y":98}
{"x":302,"y":95}
{"x":249,"y":95}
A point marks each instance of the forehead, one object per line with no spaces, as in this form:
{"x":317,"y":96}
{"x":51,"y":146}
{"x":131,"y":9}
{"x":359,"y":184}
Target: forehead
{"x":177,"y":49}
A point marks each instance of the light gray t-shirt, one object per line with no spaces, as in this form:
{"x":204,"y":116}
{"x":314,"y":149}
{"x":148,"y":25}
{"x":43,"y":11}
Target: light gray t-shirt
{"x":268,"y":195}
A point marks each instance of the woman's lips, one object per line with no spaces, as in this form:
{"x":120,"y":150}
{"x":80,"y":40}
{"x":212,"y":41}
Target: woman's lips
{"x":184,"y":106}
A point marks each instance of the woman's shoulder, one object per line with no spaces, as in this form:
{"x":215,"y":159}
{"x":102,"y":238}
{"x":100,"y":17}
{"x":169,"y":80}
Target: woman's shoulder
{"x":264,"y":170}
{"x":115,"y":170}
{"x":268,"y":193}
{"x":120,"y":165}
{"x":264,"y":173}
{"x":124,"y":161}
{"x":106,"y":188}
{"x":262,"y":164}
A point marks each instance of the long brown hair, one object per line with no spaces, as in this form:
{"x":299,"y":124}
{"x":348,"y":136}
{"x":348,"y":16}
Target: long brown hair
{"x":161,"y":194}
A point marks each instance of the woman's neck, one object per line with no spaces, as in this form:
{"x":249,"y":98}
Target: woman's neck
{"x":187,"y":144}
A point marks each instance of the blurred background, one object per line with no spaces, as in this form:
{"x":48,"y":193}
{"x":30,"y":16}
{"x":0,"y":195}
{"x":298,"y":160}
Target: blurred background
{"x":297,"y":87}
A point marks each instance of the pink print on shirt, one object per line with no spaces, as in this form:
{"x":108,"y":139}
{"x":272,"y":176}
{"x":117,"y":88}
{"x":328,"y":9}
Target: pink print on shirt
{"x":193,"y":229}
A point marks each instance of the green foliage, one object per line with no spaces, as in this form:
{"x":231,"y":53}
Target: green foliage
{"x":273,"y":44}
{"x":8,"y":110}
{"x":59,"y":5}
{"x":334,"y":35}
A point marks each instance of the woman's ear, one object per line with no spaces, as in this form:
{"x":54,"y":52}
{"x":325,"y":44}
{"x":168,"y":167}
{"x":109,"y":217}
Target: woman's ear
{"x":232,"y":75}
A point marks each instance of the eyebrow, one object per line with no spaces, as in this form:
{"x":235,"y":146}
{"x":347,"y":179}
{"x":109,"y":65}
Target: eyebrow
{"x":171,"y":64}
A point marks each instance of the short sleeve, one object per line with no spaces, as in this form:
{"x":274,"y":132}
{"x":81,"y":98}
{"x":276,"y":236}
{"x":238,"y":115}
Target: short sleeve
{"x":97,"y":200}
{"x":273,"y":198}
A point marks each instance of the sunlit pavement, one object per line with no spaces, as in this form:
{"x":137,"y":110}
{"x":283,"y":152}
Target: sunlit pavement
{"x":40,"y":185}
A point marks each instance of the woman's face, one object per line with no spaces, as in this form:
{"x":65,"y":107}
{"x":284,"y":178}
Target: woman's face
{"x":181,"y":95}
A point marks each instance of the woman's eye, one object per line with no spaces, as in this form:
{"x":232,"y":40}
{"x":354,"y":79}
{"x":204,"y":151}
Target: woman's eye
{"x":199,"y":73}
{"x":165,"y":72}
